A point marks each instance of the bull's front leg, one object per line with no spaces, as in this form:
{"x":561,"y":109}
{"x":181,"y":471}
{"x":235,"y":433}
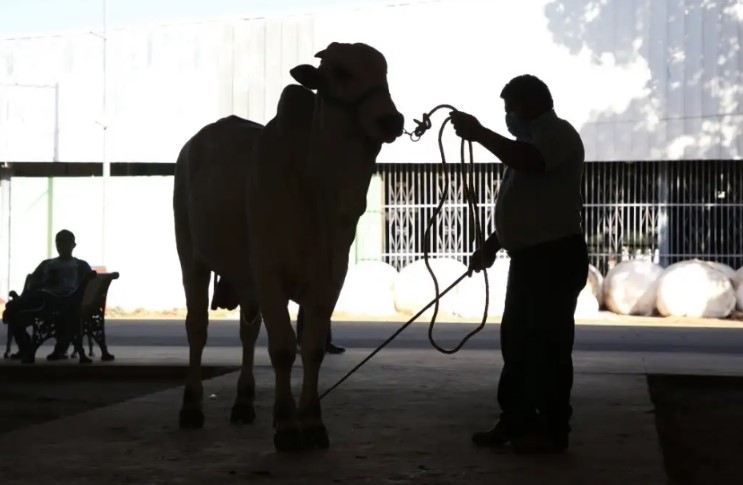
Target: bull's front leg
{"x":282,"y":349}
{"x":317,"y":326}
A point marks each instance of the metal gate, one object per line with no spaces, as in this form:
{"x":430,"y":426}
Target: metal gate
{"x":662,"y":211}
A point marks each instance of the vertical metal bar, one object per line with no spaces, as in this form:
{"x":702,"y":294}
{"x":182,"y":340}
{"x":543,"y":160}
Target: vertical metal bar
{"x":429,"y":187}
{"x":736,"y":216}
{"x":736,"y":191}
{"x":698,"y":198}
{"x":714,"y":241}
{"x":617,"y":197}
{"x":637,"y":180}
{"x":678,"y":229}
{"x":106,"y":164}
{"x":409,"y":216}
{"x":699,"y":171}
{"x":386,"y":217}
{"x":701,"y":182}
{"x":50,"y":180}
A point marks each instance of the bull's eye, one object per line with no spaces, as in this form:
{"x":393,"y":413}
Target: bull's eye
{"x":342,"y":74}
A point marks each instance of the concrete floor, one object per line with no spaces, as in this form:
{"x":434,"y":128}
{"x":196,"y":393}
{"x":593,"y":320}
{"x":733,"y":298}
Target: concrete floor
{"x":406,"y":417}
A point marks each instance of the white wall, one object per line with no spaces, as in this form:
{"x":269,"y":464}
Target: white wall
{"x":641,"y":79}
{"x":140,"y":243}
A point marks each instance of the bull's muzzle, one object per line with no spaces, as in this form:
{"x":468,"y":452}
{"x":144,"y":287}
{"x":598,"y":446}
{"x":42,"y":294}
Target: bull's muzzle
{"x":391,"y":126}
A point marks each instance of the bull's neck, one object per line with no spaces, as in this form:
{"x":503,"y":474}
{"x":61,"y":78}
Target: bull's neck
{"x":336,"y":130}
{"x":338,"y":167}
{"x":340,"y":164}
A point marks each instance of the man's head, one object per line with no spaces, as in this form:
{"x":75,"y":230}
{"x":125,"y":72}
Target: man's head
{"x":65,"y":243}
{"x":526,"y":98}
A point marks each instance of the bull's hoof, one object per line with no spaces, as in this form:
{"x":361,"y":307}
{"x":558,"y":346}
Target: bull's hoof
{"x":242,"y":414}
{"x":106,"y":357}
{"x":315,"y":438}
{"x":287,"y":440}
{"x":191,"y":418}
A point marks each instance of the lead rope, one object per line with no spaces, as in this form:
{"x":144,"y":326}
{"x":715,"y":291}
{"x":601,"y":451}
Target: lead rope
{"x":469,"y":194}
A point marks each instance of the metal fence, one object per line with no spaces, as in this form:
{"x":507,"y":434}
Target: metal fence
{"x":662,"y":211}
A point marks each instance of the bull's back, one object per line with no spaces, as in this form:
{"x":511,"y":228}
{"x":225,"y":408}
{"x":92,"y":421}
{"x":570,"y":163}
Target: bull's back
{"x":209,"y":195}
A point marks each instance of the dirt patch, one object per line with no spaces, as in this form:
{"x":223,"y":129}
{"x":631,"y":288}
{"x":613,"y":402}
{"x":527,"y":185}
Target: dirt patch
{"x":36,"y":394}
{"x":700,"y":426}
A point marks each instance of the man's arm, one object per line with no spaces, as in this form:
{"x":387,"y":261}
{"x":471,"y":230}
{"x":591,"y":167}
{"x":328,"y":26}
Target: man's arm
{"x":83,"y":271}
{"x":492,"y":245}
{"x":37,"y":277}
{"x":518,"y":155}
{"x":83,"y":266}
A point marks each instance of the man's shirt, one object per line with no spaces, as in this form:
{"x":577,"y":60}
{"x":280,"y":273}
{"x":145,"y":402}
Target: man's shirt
{"x":59,"y":276}
{"x":535,"y":208}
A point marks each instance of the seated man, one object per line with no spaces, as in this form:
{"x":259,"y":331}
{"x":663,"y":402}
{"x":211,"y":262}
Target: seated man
{"x":50,"y":283}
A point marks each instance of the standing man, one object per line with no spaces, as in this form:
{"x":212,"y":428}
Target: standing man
{"x":538,"y":221}
{"x":330,"y":347}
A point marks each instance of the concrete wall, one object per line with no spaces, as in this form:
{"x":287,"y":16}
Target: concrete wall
{"x":641,"y":79}
{"x":163,"y":84}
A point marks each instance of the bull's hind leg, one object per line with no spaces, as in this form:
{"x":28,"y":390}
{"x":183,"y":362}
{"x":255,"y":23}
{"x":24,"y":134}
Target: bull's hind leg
{"x":243,"y":411}
{"x":196,"y":284}
{"x":317,"y":326}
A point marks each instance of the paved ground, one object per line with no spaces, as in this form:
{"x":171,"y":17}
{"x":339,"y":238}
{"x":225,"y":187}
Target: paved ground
{"x":404,"y":419}
{"x":654,"y":335}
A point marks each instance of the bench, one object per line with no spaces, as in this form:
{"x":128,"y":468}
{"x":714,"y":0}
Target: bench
{"x":91,"y":295}
{"x":9,"y":340}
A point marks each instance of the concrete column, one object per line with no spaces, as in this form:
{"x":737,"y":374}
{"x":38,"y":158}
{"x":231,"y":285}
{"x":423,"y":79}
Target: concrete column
{"x":5,"y":176}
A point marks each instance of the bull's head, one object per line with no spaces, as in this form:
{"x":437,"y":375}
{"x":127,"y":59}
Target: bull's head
{"x":353,"y":77}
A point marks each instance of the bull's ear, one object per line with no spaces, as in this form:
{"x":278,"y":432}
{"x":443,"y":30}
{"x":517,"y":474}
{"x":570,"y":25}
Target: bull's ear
{"x":321,"y":54}
{"x":306,"y":75}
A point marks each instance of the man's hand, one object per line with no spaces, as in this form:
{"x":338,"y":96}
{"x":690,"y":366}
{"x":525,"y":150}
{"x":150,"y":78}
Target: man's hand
{"x":480,"y":260}
{"x":484,"y":257}
{"x":466,"y":126}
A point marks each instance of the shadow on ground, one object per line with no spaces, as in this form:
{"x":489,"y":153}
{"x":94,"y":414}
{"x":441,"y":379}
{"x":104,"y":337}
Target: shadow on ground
{"x":700,"y":426}
{"x":34,"y":394}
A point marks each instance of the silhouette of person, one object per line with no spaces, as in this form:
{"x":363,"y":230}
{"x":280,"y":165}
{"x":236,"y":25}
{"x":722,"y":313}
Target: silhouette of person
{"x":538,"y":222}
{"x":51,"y":282}
{"x":330,"y":347}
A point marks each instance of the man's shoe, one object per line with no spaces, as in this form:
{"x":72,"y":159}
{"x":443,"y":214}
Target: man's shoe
{"x":498,"y":436}
{"x":334,"y":349}
{"x":54,"y":356}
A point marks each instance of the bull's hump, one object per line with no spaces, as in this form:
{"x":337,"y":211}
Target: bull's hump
{"x":236,"y":120}
{"x":294,"y":112}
